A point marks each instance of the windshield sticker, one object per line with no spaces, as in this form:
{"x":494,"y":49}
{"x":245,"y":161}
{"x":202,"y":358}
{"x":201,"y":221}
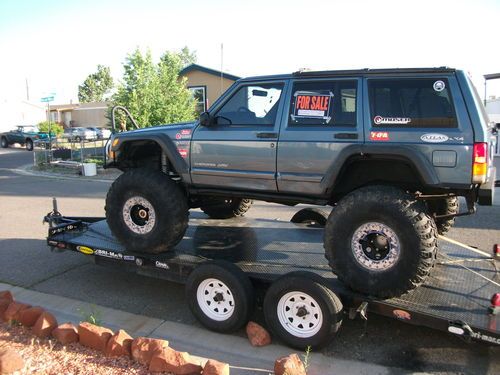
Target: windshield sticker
{"x":379,"y":120}
{"x":379,"y":136}
{"x":315,"y":105}
{"x":438,"y":86}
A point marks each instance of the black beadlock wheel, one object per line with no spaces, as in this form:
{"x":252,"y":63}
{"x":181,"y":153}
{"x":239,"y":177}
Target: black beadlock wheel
{"x":220,"y":296}
{"x":380,"y":241}
{"x":226,"y":208}
{"x":147,"y":211}
{"x":4,"y":142}
{"x":302,"y":311}
{"x":448,"y":206}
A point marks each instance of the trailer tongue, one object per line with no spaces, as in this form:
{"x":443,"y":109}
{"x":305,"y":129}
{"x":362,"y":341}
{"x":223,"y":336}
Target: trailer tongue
{"x":459,"y":297}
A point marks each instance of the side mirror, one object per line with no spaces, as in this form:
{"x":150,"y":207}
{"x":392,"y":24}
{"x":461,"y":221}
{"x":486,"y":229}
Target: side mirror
{"x":205,"y":119}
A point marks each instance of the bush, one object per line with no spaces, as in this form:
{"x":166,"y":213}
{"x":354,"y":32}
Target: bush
{"x":55,"y":129}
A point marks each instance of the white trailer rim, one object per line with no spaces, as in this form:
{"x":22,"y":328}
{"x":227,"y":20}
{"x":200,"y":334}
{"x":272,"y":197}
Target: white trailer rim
{"x":215,"y":299}
{"x":300,"y":314}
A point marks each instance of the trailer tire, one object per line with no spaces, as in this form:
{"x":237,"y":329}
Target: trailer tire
{"x":447,"y":206}
{"x":226,"y":208}
{"x":380,"y":241}
{"x":302,"y":293}
{"x":220,"y":279}
{"x":310,"y":215}
{"x":147,"y":211}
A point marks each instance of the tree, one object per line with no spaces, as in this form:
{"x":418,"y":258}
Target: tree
{"x":153,"y":93}
{"x":96,"y":85}
{"x":187,"y":57}
{"x":55,"y":128}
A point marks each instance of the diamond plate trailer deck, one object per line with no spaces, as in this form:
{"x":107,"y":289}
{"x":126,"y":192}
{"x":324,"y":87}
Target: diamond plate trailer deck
{"x":455,"y":298}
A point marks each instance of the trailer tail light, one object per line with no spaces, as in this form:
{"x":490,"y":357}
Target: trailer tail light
{"x":480,"y":163}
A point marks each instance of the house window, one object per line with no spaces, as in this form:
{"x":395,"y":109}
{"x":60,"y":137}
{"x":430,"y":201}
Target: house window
{"x":200,"y":98}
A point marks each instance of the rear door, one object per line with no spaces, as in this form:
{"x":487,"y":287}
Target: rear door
{"x":239,"y":149}
{"x":322,"y":122}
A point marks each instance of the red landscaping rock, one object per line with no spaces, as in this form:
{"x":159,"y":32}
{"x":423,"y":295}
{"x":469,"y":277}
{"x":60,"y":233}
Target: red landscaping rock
{"x":6,"y":294}
{"x":289,"y":365}
{"x":65,"y":333}
{"x":94,"y":336}
{"x":179,"y":363}
{"x":12,"y":312}
{"x":29,"y":316}
{"x":143,"y":349}
{"x":10,"y":361}
{"x":257,"y":334}
{"x":44,"y":325}
{"x":119,"y":345}
{"x":4,"y":304}
{"x":213,"y":367}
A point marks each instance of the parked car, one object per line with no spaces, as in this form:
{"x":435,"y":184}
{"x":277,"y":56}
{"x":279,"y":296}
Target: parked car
{"x":26,"y":135}
{"x":101,"y":133}
{"x":391,"y":150}
{"x":79,"y":134}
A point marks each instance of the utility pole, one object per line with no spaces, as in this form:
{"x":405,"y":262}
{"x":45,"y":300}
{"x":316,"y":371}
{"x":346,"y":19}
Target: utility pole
{"x":27,"y":90}
{"x":221,"y":68}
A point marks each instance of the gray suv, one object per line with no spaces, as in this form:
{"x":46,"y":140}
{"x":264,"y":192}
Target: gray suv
{"x":391,"y":150}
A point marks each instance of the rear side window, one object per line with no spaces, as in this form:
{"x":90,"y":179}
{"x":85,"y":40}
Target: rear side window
{"x":326,"y":103}
{"x":411,"y":103}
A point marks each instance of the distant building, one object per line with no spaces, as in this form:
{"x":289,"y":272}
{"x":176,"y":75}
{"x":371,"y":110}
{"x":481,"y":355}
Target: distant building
{"x":493,"y":111}
{"x":206,"y":84}
{"x":20,"y":112}
{"x":84,"y":114}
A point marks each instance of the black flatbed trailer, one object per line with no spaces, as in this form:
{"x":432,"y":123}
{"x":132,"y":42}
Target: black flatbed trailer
{"x":456,"y":297}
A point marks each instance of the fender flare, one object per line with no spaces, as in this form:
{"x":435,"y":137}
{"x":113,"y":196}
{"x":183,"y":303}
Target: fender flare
{"x":409,"y":155}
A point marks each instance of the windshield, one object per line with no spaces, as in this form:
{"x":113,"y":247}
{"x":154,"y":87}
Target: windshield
{"x":28,"y":129}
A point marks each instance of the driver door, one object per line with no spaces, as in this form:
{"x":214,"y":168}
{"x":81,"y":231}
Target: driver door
{"x":239,"y":149}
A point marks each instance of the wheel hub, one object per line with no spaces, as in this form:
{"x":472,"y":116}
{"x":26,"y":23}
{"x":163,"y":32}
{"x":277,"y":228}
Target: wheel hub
{"x":139,"y":215}
{"x":375,"y":246}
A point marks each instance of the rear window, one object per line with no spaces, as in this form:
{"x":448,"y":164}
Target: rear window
{"x":411,"y":103}
{"x":325,"y":103}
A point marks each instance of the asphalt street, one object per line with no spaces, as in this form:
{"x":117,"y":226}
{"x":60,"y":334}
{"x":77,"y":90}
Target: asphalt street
{"x":26,"y":261}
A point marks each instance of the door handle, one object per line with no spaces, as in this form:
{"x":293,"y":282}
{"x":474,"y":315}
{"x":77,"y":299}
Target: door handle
{"x":267,"y":135}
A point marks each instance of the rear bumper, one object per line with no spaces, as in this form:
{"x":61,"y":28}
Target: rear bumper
{"x":486,"y":193}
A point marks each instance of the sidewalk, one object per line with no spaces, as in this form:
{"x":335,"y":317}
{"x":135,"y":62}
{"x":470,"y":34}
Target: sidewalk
{"x":237,"y":351}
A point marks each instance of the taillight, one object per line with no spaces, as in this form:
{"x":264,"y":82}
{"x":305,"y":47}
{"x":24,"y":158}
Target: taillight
{"x":480,"y":163}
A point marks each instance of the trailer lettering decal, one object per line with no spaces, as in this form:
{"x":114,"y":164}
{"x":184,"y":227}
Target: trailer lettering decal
{"x":85,"y":250}
{"x":108,"y":254}
{"x":162,"y":265}
{"x":483,"y":337}
{"x":129,"y":257}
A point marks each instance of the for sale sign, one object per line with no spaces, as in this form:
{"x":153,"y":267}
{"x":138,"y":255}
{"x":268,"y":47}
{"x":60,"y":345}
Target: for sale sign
{"x":316,"y":105}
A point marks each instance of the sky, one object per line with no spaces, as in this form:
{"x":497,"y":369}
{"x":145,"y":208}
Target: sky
{"x":55,"y":44}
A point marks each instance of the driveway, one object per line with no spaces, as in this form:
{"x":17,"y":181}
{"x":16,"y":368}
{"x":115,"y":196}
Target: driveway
{"x":27,"y":262}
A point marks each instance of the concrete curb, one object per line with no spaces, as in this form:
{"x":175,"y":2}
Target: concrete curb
{"x":237,"y":351}
{"x":25,"y":171}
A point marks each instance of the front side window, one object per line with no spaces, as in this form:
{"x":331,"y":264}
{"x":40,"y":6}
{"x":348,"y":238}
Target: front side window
{"x":325,"y":103}
{"x":411,"y":103}
{"x":251,"y":105}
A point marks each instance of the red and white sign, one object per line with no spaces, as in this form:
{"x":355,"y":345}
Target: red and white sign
{"x":183,"y":152}
{"x":379,"y":136}
{"x":185,"y":131}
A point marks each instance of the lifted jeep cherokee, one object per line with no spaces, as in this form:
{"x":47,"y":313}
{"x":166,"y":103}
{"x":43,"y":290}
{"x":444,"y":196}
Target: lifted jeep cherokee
{"x":391,"y":150}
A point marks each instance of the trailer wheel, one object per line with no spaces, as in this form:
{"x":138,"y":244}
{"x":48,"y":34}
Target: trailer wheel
{"x":310,"y":215}
{"x":446,"y":206}
{"x":220,"y":296}
{"x":146,"y":211}
{"x":302,"y":311}
{"x":380,"y":241}
{"x":226,"y":208}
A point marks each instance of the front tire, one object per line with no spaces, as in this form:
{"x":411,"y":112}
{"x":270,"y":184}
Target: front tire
{"x":29,"y":145}
{"x":147,"y":211}
{"x":226,"y":208}
{"x":4,"y":142}
{"x":380,"y":241}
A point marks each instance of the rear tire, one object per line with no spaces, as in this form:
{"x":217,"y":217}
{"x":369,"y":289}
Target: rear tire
{"x":29,"y":145}
{"x":147,"y":211}
{"x":302,"y":311}
{"x":226,"y":208}
{"x":380,"y":241}
{"x":446,"y":206}
{"x":220,"y":296}
{"x":311,"y":215}
{"x":4,"y":142}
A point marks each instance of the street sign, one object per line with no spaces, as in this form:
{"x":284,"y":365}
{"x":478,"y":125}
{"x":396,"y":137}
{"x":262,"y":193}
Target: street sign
{"x":47,"y":99}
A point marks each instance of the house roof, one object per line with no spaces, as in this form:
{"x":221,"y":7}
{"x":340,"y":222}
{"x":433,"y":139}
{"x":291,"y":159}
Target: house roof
{"x":196,"y":67}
